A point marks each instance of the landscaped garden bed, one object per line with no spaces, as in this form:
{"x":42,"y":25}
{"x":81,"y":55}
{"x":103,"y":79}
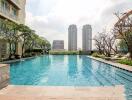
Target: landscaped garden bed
{"x":64,"y":52}
{"x":125,"y":61}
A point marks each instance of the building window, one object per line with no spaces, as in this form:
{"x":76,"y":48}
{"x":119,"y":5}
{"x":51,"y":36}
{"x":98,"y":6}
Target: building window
{"x":14,"y":11}
{"x":7,"y":7}
{"x":3,"y":5}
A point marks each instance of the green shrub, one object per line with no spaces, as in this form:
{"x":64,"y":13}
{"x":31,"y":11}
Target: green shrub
{"x":125,"y":61}
{"x":85,"y":53}
{"x":34,"y":50}
{"x":64,"y":52}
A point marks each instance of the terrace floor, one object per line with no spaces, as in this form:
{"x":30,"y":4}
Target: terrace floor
{"x":61,"y":93}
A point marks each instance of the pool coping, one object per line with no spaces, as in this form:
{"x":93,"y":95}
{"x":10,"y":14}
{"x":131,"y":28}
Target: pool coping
{"x":117,"y":65}
{"x":3,"y":65}
{"x":17,"y":60}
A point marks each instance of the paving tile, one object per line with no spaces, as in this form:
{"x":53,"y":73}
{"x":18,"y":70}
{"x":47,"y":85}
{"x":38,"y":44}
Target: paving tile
{"x":62,"y":93}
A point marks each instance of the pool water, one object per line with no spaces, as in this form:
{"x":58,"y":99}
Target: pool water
{"x":72,"y":70}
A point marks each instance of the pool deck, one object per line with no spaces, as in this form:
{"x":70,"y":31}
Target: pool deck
{"x":3,"y":65}
{"x":62,"y":93}
{"x":118,"y":65}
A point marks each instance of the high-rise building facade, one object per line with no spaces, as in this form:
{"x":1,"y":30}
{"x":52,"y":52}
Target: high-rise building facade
{"x":87,"y":38}
{"x":12,"y":10}
{"x":72,"y":38}
{"x":58,"y":45}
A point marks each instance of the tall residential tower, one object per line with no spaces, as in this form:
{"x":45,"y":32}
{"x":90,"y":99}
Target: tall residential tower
{"x":72,"y":38}
{"x":87,"y":38}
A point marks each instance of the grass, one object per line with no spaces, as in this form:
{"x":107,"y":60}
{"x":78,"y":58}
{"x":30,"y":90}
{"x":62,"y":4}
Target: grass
{"x":125,"y":61}
{"x":64,"y":52}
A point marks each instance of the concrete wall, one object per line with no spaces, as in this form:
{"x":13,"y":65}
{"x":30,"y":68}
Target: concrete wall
{"x":22,"y":13}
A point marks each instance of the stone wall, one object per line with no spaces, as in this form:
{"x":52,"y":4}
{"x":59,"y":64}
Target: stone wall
{"x":3,"y":50}
{"x":4,"y":75}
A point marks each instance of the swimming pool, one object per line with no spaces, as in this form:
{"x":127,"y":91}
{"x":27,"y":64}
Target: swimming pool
{"x":68,"y":70}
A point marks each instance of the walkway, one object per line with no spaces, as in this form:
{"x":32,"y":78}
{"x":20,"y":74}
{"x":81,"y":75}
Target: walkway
{"x":62,"y":93}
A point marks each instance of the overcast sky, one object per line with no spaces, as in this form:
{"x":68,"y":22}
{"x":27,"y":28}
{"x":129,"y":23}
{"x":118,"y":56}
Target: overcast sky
{"x":51,"y":18}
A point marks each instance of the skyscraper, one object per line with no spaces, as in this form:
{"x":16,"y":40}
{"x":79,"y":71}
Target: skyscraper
{"x":87,"y":38}
{"x":58,"y":45}
{"x":72,"y":38}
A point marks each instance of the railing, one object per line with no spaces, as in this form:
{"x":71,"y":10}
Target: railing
{"x":8,"y":14}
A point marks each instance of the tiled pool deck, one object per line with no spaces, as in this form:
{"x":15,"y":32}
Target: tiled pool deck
{"x":62,"y":93}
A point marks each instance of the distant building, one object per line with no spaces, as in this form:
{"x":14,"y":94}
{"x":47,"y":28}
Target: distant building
{"x":72,"y":38}
{"x":87,"y":38}
{"x":58,"y":45}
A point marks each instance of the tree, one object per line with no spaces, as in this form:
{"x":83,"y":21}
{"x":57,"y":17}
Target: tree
{"x":123,"y":29}
{"x":9,"y":33}
{"x":31,"y":41}
{"x":25,"y":34}
{"x":47,"y":47}
{"x":104,"y":42}
{"x":42,"y":44}
{"x":12,"y":33}
{"x":98,"y":42}
{"x":122,"y":46}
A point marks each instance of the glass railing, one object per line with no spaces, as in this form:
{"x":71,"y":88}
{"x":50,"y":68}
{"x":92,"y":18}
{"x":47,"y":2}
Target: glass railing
{"x":8,"y":14}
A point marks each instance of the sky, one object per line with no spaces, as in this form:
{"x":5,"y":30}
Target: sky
{"x":51,"y":18}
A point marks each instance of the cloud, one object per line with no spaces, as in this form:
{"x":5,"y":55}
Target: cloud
{"x":51,"y":18}
{"x":46,"y":26}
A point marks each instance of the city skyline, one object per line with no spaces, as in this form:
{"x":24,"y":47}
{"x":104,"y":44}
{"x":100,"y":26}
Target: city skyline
{"x":51,"y":18}
{"x":72,"y":39}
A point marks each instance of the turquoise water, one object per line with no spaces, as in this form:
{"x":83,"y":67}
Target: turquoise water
{"x":54,"y":70}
